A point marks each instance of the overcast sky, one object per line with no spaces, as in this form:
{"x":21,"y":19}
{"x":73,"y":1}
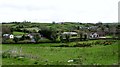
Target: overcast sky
{"x":59,"y":10}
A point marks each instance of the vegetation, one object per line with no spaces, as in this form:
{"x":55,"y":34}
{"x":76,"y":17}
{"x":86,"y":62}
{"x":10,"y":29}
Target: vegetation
{"x":16,"y":39}
{"x":45,"y":43}
{"x":36,"y":38}
{"x":49,"y":33}
{"x":17,"y":33}
{"x":41,"y":54}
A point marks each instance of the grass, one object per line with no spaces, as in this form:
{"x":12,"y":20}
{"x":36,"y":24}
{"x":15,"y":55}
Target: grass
{"x":98,"y":54}
{"x":0,"y":56}
{"x":17,"y":33}
{"x":35,"y":28}
{"x":109,"y":36}
{"x":8,"y":24}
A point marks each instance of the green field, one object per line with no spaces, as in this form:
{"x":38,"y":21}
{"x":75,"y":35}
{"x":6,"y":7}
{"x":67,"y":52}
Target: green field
{"x":18,"y":33}
{"x":43,"y":54}
{"x":0,"y":57}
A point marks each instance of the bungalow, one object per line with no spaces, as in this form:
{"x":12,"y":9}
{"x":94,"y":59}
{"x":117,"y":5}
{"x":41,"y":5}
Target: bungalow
{"x":8,"y":36}
{"x":93,"y":35}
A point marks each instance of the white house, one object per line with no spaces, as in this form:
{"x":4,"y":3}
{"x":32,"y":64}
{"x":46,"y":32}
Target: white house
{"x":31,"y":36}
{"x":94,"y":35}
{"x":72,"y":34}
{"x":8,"y":36}
{"x":11,"y":36}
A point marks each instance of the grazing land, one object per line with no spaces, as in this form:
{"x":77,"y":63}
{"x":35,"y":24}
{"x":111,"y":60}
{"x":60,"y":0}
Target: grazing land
{"x":43,"y":54}
{"x":63,"y":43}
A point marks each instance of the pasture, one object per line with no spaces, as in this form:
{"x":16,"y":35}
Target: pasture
{"x":47,"y":54}
{"x":18,"y":33}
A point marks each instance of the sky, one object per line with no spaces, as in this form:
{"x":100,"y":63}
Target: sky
{"x":85,"y":11}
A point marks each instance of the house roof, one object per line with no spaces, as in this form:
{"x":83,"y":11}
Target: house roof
{"x":93,"y":34}
{"x":18,"y":36}
{"x":7,"y":35}
{"x":69,"y":33}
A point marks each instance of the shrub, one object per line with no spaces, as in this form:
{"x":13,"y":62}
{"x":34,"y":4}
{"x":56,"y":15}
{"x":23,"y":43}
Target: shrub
{"x":36,"y":62}
{"x":44,"y":40}
{"x":24,"y":41}
{"x":51,"y":34}
{"x":62,"y":45}
{"x":16,"y":39}
{"x":36,"y":38}
{"x":82,"y":45}
{"x":9,"y":41}
{"x":5,"y":55}
{"x":67,"y":36}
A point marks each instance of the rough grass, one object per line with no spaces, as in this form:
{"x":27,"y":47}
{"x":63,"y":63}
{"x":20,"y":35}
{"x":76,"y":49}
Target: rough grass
{"x":98,"y":54}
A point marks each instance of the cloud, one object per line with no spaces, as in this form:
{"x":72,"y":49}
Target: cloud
{"x":59,"y":10}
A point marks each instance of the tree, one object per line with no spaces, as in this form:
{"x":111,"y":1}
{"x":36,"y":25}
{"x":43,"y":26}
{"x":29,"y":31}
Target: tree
{"x":6,"y":30}
{"x":85,"y":36}
{"x":61,"y":38}
{"x":118,"y":30}
{"x":16,"y":39}
{"x":99,"y":23}
{"x":23,"y":37}
{"x":53,"y":22}
{"x":113,"y":30}
{"x":78,"y":27}
{"x":36,"y":38}
{"x":49,"y":33}
{"x":81,"y":35}
{"x":67,"y":36}
{"x":54,"y":36}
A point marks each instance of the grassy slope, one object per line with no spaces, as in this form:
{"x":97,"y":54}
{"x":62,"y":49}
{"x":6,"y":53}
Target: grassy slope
{"x":98,"y":54}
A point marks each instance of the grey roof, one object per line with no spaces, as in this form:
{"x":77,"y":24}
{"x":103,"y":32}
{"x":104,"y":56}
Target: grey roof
{"x":6,"y":34}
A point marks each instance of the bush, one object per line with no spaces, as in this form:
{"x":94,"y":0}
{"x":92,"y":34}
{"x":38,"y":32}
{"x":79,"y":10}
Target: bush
{"x":9,"y":41}
{"x":105,"y":42}
{"x":16,"y":39}
{"x":5,"y":55}
{"x":44,"y":40}
{"x":62,"y":45}
{"x":51,"y":34}
{"x":82,"y":45}
{"x":24,"y":41}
